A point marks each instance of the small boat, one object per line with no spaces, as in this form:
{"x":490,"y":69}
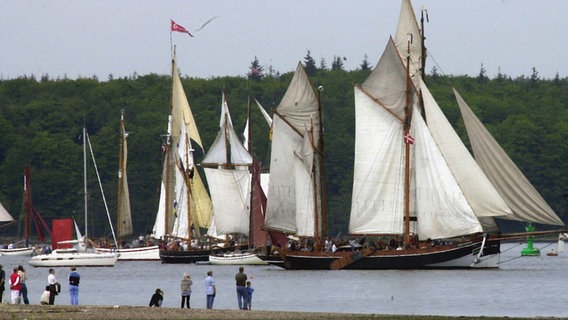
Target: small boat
{"x":124,"y":216}
{"x":26,"y":251}
{"x":30,"y":216}
{"x":552,"y":253}
{"x":134,"y":254}
{"x":236,"y":258}
{"x":73,"y":257}
{"x":79,"y":256}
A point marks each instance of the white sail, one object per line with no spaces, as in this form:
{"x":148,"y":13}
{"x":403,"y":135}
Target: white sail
{"x":230,"y":193}
{"x":298,"y":111}
{"x":521,"y":196}
{"x":480,"y":193}
{"x":5,"y":215}
{"x":226,"y":167}
{"x":441,"y":207}
{"x":246,"y":129}
{"x":378,"y":176}
{"x":435,"y":197}
{"x":409,"y":31}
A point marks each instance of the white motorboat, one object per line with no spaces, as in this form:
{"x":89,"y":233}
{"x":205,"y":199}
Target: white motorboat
{"x":74,"y":258}
{"x":232,"y":258}
{"x":134,"y":254}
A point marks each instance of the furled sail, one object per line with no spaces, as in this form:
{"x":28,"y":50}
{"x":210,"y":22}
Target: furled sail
{"x":124,"y":224}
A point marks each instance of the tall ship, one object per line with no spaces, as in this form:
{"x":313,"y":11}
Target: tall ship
{"x":415,"y":182}
{"x":185,"y":208}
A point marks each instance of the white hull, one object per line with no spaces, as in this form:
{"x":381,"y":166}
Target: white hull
{"x":135,"y":254}
{"x":17,"y":251}
{"x":63,"y":258}
{"x":471,"y":261}
{"x":236,"y":258}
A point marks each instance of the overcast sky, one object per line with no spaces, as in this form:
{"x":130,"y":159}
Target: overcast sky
{"x":82,"y":38}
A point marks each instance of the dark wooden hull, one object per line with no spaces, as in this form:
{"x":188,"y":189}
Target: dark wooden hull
{"x":274,"y":260}
{"x":447,"y":256}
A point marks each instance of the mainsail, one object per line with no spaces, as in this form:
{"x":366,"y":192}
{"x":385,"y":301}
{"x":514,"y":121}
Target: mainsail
{"x":295,"y":190}
{"x":226,"y":166}
{"x":124,"y":221}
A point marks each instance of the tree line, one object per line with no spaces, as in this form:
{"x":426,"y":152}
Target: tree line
{"x":41,"y":123}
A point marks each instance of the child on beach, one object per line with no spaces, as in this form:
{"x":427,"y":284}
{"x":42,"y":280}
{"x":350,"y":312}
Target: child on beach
{"x":250,"y":290}
{"x":45,"y":296}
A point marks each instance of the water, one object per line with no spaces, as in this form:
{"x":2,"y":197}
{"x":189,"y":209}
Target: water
{"x":522,"y":287}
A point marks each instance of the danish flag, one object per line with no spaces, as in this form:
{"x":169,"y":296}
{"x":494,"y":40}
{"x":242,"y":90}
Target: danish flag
{"x":408,"y":139}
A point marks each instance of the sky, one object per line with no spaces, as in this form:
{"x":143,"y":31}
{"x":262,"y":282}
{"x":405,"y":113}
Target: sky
{"x":122,"y":38}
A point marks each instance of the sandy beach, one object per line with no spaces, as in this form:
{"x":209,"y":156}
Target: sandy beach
{"x":39,"y":312}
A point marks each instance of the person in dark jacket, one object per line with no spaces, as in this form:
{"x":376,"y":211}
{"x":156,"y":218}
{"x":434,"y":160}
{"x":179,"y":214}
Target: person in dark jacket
{"x":157,"y":299}
{"x":74,"y":278}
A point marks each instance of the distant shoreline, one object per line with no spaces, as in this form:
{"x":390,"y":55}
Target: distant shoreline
{"x":40,"y":312}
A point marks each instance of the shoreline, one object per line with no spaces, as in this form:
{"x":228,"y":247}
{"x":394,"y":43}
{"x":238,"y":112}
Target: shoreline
{"x":39,"y":312}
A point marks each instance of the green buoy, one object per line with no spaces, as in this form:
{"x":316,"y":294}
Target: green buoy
{"x":530,"y":250}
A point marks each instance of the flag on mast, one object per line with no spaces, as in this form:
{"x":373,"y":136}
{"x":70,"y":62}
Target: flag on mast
{"x":177,"y":28}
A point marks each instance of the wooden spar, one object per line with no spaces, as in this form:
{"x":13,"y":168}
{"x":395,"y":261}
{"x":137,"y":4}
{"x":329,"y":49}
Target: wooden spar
{"x":322,"y":172}
{"x":226,"y":128}
{"x":317,"y":234}
{"x":251,"y":169}
{"x":119,"y":227}
{"x":187,"y":173}
{"x":408,"y":115}
{"x":422,"y":39}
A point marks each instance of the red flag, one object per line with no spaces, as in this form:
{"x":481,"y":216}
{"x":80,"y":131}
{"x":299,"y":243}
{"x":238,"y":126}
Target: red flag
{"x":408,"y":139}
{"x":177,"y":28}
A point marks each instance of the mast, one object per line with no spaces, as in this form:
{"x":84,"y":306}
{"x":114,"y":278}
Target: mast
{"x":408,"y":116}
{"x":422,"y":39}
{"x":187,"y":175}
{"x":85,"y":177}
{"x":120,"y":226}
{"x":251,"y":235}
{"x":27,"y":205}
{"x":323,"y":189}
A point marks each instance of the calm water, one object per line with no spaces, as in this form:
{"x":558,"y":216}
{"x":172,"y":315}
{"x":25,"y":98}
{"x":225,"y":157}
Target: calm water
{"x":523,"y":287}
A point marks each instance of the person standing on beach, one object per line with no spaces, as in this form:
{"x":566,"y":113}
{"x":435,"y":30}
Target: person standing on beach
{"x":210,"y":289}
{"x":74,"y":278}
{"x":15,"y":286}
{"x":24,"y":289}
{"x":53,"y":286}
{"x":250,"y":290}
{"x":185,"y":287}
{"x":241,"y":280}
{"x":2,"y":282}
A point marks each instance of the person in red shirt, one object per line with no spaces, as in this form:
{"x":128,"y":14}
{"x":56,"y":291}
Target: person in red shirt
{"x":15,"y":286}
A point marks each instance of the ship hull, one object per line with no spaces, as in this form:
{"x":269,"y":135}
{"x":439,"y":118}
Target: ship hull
{"x":444,"y":256}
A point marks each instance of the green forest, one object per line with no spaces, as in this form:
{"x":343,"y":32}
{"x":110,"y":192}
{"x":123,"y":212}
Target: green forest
{"x":41,"y":122}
